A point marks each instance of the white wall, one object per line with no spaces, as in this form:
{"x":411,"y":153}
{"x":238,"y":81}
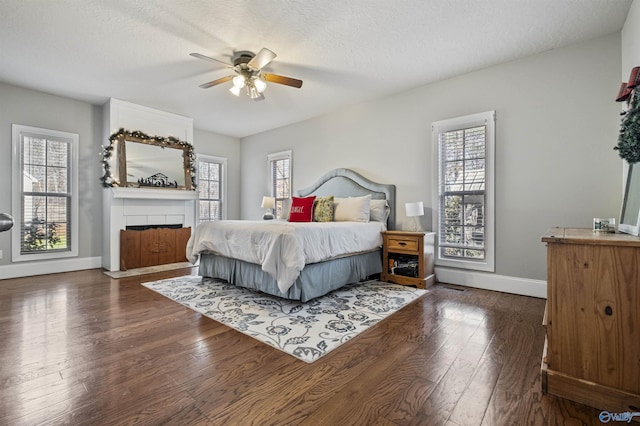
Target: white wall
{"x":631,"y":41}
{"x":556,"y":126}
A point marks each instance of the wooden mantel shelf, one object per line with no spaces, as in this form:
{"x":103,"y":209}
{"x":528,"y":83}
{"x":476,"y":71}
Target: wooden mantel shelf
{"x":153,"y":194}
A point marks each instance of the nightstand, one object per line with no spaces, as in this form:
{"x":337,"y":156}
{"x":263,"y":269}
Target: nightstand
{"x":408,"y":257}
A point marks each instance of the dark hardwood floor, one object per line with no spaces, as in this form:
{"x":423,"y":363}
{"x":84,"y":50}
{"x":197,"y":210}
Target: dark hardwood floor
{"x":81,"y":348}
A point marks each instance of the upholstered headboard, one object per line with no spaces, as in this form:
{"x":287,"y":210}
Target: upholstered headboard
{"x":347,"y":183}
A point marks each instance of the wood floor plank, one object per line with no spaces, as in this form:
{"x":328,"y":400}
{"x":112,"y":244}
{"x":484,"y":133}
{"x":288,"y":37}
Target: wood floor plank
{"x":472,"y":405}
{"x":366,"y":398}
{"x":85,"y":349}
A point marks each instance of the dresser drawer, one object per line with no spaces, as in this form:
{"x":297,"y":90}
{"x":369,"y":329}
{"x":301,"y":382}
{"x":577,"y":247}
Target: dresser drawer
{"x":404,"y":244}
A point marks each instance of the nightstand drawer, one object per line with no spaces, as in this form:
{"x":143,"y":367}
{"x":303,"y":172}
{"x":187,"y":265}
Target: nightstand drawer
{"x":405,"y":244}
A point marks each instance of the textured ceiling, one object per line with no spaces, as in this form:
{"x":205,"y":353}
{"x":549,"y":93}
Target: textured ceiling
{"x":345,"y":51}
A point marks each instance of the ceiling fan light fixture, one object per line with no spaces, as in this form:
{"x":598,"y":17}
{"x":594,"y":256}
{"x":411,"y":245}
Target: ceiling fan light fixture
{"x":253,"y":92}
{"x":249,"y":75}
{"x":239,"y":82}
{"x":259,"y":84}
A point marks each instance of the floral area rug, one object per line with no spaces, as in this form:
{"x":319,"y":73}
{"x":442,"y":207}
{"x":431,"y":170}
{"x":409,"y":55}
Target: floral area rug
{"x":307,"y":330}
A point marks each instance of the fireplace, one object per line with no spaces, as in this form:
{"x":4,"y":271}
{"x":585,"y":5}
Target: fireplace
{"x":156,"y":224}
{"x":123,"y":206}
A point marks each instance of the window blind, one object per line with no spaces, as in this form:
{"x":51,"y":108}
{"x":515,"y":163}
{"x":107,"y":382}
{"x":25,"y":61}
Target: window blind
{"x":210,"y":190}
{"x":45,"y":194}
{"x":280,"y":181}
{"x":462,"y":193}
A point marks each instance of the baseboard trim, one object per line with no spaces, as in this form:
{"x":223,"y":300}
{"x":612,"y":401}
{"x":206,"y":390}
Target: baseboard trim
{"x":489,"y":281}
{"x":27,"y":269}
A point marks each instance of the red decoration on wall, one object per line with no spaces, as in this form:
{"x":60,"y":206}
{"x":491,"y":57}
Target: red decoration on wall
{"x":623,"y":93}
{"x":627,"y":88}
{"x":634,"y":80}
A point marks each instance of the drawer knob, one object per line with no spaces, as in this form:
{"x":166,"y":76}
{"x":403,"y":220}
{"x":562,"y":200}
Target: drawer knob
{"x":608,"y":310}
{"x":402,"y":243}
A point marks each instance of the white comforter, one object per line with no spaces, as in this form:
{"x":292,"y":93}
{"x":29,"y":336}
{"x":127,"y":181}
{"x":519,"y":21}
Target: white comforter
{"x":283,"y":248}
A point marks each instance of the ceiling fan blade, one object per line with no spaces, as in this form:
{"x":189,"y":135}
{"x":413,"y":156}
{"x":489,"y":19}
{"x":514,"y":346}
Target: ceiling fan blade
{"x":260,"y":97}
{"x":207,"y":58}
{"x":216,"y":82}
{"x":280,"y":79}
{"x":262,"y":59}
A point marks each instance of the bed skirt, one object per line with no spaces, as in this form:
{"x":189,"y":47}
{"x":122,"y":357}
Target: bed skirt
{"x":315,"y":280}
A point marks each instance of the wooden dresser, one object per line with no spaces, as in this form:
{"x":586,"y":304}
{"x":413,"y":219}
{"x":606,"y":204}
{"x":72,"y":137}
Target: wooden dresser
{"x":592,"y":319}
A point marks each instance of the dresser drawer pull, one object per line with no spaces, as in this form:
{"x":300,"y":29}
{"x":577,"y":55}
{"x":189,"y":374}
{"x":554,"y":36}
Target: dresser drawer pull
{"x":608,"y":311}
{"x":402,"y":243}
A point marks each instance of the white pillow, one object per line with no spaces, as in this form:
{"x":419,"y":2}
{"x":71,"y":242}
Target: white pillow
{"x":286,"y":206}
{"x":379,"y":211}
{"x":352,"y":209}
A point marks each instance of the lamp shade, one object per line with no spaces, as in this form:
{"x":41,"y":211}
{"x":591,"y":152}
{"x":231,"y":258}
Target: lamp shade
{"x":268,"y":202}
{"x":414,"y":209}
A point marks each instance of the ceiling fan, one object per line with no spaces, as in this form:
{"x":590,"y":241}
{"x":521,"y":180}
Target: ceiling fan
{"x":248,"y":67}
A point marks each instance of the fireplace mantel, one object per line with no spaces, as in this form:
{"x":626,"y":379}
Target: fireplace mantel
{"x":124,"y":206}
{"x":153,"y":194}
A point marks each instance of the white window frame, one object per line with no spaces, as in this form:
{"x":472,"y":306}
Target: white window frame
{"x":223,"y":184}
{"x":17,"y":132}
{"x":484,"y":118}
{"x":282,"y":155}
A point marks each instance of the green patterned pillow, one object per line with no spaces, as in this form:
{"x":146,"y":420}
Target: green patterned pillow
{"x":323,"y":209}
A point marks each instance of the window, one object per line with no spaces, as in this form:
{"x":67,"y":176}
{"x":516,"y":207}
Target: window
{"x":280,"y":179}
{"x":211,"y":188}
{"x":464,"y":149}
{"x":45,"y":193}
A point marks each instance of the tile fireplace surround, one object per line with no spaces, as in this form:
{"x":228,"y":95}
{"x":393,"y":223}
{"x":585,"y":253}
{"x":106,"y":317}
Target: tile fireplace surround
{"x":136,"y":206}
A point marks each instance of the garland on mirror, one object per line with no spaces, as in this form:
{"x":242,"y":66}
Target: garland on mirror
{"x":628,"y":146}
{"x":107,"y":178}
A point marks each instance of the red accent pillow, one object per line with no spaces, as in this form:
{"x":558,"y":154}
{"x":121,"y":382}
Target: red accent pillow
{"x":301,"y":209}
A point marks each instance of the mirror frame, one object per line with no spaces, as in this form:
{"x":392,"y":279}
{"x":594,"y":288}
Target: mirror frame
{"x":634,"y":227}
{"x":118,"y":147}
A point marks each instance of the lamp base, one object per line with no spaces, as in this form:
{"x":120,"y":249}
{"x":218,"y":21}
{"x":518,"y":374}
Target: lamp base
{"x":267,"y":216}
{"x":414,"y":225}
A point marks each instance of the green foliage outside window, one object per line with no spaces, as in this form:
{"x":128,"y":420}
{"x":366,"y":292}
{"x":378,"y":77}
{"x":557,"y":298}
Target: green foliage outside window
{"x":38,"y":235}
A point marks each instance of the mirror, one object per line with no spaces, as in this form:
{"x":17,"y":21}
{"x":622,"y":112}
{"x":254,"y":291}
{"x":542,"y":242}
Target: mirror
{"x":153,"y":162}
{"x":630,"y":216}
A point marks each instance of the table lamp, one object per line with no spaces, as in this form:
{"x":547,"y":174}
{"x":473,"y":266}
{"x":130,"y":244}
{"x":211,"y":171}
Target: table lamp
{"x":414,"y":210}
{"x":268,"y":203}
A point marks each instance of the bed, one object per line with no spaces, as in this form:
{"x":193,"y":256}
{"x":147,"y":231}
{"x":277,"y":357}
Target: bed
{"x":326,"y":256}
